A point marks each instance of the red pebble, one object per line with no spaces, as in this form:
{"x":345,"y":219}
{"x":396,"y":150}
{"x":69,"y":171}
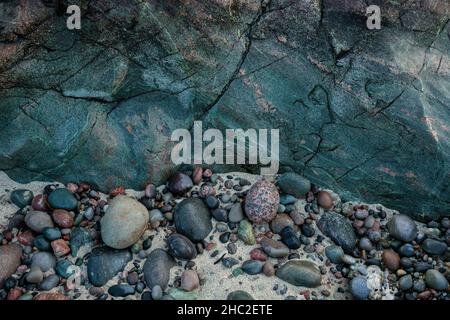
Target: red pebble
{"x":7,"y":235}
{"x":72,"y":187}
{"x":63,"y":218}
{"x":258,"y":254}
{"x":14,"y":294}
{"x":60,"y":248}
{"x":26,"y":238}
{"x":210,"y":246}
{"x":117,"y":191}
{"x":39,"y":202}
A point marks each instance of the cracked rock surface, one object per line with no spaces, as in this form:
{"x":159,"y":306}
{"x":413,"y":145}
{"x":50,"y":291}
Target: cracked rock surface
{"x":363,"y":112}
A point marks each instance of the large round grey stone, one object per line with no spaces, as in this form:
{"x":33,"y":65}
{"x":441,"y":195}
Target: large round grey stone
{"x":192,"y":219}
{"x":300,"y":273}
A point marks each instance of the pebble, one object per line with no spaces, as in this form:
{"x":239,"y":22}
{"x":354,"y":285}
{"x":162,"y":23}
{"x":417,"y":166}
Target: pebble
{"x":273,"y":248}
{"x":229,"y":262}
{"x":325,"y":200}
{"x":121,"y":290}
{"x":365,"y":244}
{"x":64,"y":268}
{"x":334,"y":254}
{"x":359,"y":288}
{"x":236,"y":213}
{"x":436,"y":280}
{"x":225,"y":237}
{"x":16,"y":222}
{"x":39,"y":203}
{"x":192,"y":219}
{"x":245,"y":232}
{"x":405,"y":283}
{"x":434,"y":247}
{"x":51,"y":296}
{"x":212,"y":202}
{"x":181,"y":247}
{"x":391,"y":259}
{"x":60,"y":248}
{"x":178,"y":294}
{"x":78,"y":237}
{"x":307,"y":230}
{"x":268,"y":269}
{"x":290,"y":239}
{"x":286,"y":199}
{"x":300,"y":273}
{"x":62,"y":218}
{"x":280,"y":222}
{"x":150,"y":191}
{"x":231,"y":248}
{"x":21,"y":197}
{"x":402,"y":228}
{"x":189,"y":280}
{"x":220,"y":214}
{"x":239,"y":295}
{"x":38,"y":221}
{"x":157,"y":268}
{"x":339,"y":229}
{"x":124,"y":222}
{"x":252,"y":267}
{"x":180,"y":183}
{"x":294,"y":184}
{"x":406,"y":250}
{"x":51,"y":233}
{"x":104,"y":263}
{"x":261,"y":202}
{"x":44,"y":260}
{"x":35,"y":275}
{"x":157,"y":292}
{"x":62,"y":199}
{"x":348,"y":259}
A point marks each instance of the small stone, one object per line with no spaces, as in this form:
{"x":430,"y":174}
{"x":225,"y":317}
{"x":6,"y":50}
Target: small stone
{"x":220,"y":214}
{"x":359,"y":288}
{"x":60,"y":248}
{"x":307,"y":230}
{"x":157,"y":268}
{"x":229,"y":262}
{"x":252,"y":267}
{"x":402,"y":228}
{"x":21,"y":197}
{"x":436,"y":280}
{"x":236,"y":213}
{"x":104,"y":263}
{"x":181,"y":247}
{"x":391,"y":259}
{"x":197,"y":175}
{"x":44,"y":260}
{"x":268,"y":269}
{"x":14,"y":294}
{"x":39,"y":203}
{"x":124,"y":222}
{"x":273,"y":248}
{"x":300,"y":273}
{"x":258,"y":254}
{"x":245,"y":232}
{"x":38,"y":221}
{"x":192,"y":219}
{"x":434,"y":247}
{"x":180,"y":183}
{"x":64,"y":268}
{"x":405,"y":283}
{"x":289,"y":238}
{"x":63,"y":218}
{"x":325,"y":200}
{"x":35,"y":275}
{"x":189,"y":280}
{"x":178,"y":294}
{"x":365,"y":244}
{"x":51,"y":296}
{"x":79,"y":237}
{"x":280,"y":222}
{"x":150,"y":191}
{"x":339,"y":229}
{"x":62,"y":199}
{"x":212,"y":202}
{"x":334,"y":254}
{"x":261,"y":202}
{"x":51,"y":234}
{"x":157,"y":292}
{"x":348,"y":259}
{"x":294,"y":184}
{"x":121,"y":290}
{"x":239,"y":295}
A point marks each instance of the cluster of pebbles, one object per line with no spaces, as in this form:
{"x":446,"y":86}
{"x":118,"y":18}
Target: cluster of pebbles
{"x":216,"y":236}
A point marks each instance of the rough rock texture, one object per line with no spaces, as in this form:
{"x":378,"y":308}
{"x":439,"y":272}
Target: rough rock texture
{"x":363,"y":112}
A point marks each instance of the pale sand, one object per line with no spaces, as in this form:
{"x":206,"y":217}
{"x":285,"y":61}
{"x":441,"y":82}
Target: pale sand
{"x":217,"y":281}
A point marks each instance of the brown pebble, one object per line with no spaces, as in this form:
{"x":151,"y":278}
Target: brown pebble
{"x":39,"y":202}
{"x":189,"y":280}
{"x":51,"y":296}
{"x":325,"y":200}
{"x":268,"y":269}
{"x":62,"y":218}
{"x":14,"y":294}
{"x":25,"y":238}
{"x":258,"y":254}
{"x":72,"y":187}
{"x":60,"y":248}
{"x":197,"y":175}
{"x":391,"y":259}
{"x":424,"y":295}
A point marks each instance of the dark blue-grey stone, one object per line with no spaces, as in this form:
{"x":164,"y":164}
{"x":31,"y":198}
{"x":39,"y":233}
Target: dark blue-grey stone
{"x":62,"y":199}
{"x":51,"y":234}
{"x":294,"y":184}
{"x":21,"y":197}
{"x":252,"y":266}
{"x":121,"y":290}
{"x":300,"y":273}
{"x":78,"y":237}
{"x":239,"y":295}
{"x":434,"y":247}
{"x":42,"y":244}
{"x":405,"y":282}
{"x":289,"y":238}
{"x":44,"y":260}
{"x":157,"y":268}
{"x":181,"y":247}
{"x":192,"y":219}
{"x":436,"y":280}
{"x":62,"y":268}
{"x":339,"y":229}
{"x":406,"y":250}
{"x":334,"y":253}
{"x":359,"y":289}
{"x":104,"y":263}
{"x":49,"y":283}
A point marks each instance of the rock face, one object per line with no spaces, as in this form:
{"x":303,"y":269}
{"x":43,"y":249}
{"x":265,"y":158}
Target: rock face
{"x":339,"y":229}
{"x":192,"y":219}
{"x":124,"y":222}
{"x":10,"y":256}
{"x":104,"y":263}
{"x":300,"y":273}
{"x":113,"y":91}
